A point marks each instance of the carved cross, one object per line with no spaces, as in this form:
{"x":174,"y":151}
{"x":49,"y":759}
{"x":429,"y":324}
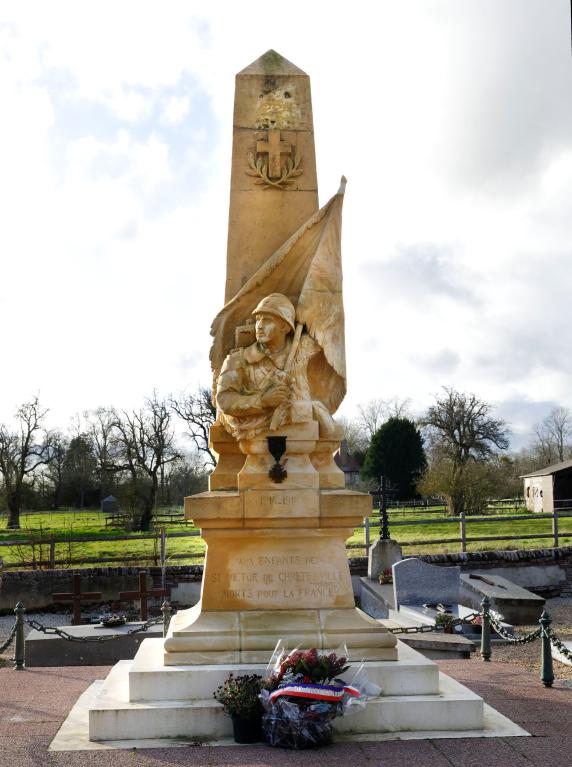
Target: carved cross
{"x":76,"y":597}
{"x":143,"y":595}
{"x":275,"y":148}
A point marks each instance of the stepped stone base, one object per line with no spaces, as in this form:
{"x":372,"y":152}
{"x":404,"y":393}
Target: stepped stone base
{"x":143,"y":699}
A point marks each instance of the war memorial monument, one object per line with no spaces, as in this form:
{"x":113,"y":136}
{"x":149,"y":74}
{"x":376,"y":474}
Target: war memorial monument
{"x":276,"y":515}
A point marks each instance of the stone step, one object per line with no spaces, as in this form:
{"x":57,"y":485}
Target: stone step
{"x":112,"y":717}
{"x":149,"y":679}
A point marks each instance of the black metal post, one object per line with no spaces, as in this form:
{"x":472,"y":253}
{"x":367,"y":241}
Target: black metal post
{"x":485,"y":629}
{"x":166,"y":609}
{"x":383,"y":519}
{"x":20,"y":647}
{"x":546,"y":669}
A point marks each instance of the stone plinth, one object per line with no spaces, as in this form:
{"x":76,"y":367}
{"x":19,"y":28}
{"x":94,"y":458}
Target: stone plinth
{"x":276,"y":568}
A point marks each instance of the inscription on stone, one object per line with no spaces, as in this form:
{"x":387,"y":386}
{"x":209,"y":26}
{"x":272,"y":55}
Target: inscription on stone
{"x":283,"y":579}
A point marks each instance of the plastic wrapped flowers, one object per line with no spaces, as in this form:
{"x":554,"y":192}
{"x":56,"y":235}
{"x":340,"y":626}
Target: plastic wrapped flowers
{"x":302,"y":694}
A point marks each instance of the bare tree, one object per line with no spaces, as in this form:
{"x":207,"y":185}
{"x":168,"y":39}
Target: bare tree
{"x":54,"y":471}
{"x":460,"y":429}
{"x":354,"y":435}
{"x":99,"y":429}
{"x":553,"y":435}
{"x":371,"y":416}
{"x":199,"y":414}
{"x":22,"y":451}
{"x":143,"y":443}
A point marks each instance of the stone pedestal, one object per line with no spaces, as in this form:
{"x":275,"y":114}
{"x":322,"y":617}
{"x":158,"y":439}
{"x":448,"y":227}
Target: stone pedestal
{"x":276,"y":565}
{"x":382,"y":555}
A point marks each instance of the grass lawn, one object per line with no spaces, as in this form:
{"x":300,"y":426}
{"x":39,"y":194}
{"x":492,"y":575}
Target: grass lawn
{"x":90,"y":523}
{"x":87,"y":524}
{"x":439,"y":529}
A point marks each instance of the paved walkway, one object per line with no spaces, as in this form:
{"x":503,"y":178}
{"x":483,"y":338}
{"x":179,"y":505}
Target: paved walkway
{"x":34,"y":703}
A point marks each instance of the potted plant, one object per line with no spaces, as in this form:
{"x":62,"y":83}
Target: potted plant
{"x":301,"y":698}
{"x":445,"y":621}
{"x":239,"y":698}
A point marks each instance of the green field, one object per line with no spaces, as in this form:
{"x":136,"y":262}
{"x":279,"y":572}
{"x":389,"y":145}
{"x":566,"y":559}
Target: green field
{"x":440,"y":529}
{"x":88,"y":524}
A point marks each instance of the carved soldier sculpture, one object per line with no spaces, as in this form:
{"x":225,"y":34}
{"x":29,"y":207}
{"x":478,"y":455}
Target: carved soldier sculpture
{"x":265,"y":385}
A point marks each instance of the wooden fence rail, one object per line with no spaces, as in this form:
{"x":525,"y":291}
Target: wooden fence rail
{"x":462,"y":520}
{"x":47,"y":556}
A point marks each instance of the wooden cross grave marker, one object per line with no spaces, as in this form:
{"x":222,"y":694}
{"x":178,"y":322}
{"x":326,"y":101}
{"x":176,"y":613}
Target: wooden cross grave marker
{"x":275,"y":148}
{"x":76,"y":596}
{"x":143,"y":595}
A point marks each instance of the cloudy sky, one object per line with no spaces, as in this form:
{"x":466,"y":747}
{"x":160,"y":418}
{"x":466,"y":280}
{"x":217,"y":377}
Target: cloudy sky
{"x":452,"y":120}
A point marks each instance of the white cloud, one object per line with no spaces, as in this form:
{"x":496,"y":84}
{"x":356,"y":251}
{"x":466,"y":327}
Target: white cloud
{"x":452,"y":121}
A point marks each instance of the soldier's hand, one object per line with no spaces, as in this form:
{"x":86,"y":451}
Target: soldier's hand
{"x":275,"y":395}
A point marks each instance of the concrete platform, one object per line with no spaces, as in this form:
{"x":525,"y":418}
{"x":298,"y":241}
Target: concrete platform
{"x":74,"y":732}
{"x":142,"y":700}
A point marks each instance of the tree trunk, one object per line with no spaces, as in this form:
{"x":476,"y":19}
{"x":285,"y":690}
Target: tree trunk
{"x":455,"y":505}
{"x":146,"y":516}
{"x":13,"y":513}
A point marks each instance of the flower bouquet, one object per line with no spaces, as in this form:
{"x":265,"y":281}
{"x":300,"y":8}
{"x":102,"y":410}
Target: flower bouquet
{"x":301,"y":697}
{"x":112,"y":620}
{"x":386,"y":576}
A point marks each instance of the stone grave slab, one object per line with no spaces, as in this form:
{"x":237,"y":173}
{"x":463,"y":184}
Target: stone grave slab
{"x":416,"y":583}
{"x":518,"y":606}
{"x":51,"y":650}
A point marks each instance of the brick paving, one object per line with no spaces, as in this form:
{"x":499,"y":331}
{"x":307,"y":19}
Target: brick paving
{"x":34,"y":703}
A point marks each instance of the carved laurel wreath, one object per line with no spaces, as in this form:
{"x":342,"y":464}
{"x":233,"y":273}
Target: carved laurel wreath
{"x":259,"y":168}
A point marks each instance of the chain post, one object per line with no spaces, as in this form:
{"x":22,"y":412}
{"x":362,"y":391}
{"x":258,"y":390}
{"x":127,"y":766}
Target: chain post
{"x":167,"y":610}
{"x":485,"y":629}
{"x":546,"y":669}
{"x":20,"y":648}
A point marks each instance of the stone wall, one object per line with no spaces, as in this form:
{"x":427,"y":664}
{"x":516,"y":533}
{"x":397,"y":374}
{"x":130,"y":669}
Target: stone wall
{"x":34,"y":588}
{"x":545,"y":571}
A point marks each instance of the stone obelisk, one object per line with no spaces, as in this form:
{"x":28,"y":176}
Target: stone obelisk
{"x":277,"y":515}
{"x":272,"y":124}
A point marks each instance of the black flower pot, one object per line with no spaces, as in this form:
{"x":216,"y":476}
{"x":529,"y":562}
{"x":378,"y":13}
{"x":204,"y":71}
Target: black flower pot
{"x":246,"y":730}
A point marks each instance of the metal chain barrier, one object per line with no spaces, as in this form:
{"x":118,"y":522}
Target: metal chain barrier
{"x":524,"y":639}
{"x":559,"y":644}
{"x":103,"y":638}
{"x":8,"y":642}
{"x":467,"y":620}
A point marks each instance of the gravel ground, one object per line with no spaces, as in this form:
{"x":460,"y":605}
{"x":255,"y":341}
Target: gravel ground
{"x":527,"y":656}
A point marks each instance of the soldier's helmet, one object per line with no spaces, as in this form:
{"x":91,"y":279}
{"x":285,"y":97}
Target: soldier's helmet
{"x":278,"y":305}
